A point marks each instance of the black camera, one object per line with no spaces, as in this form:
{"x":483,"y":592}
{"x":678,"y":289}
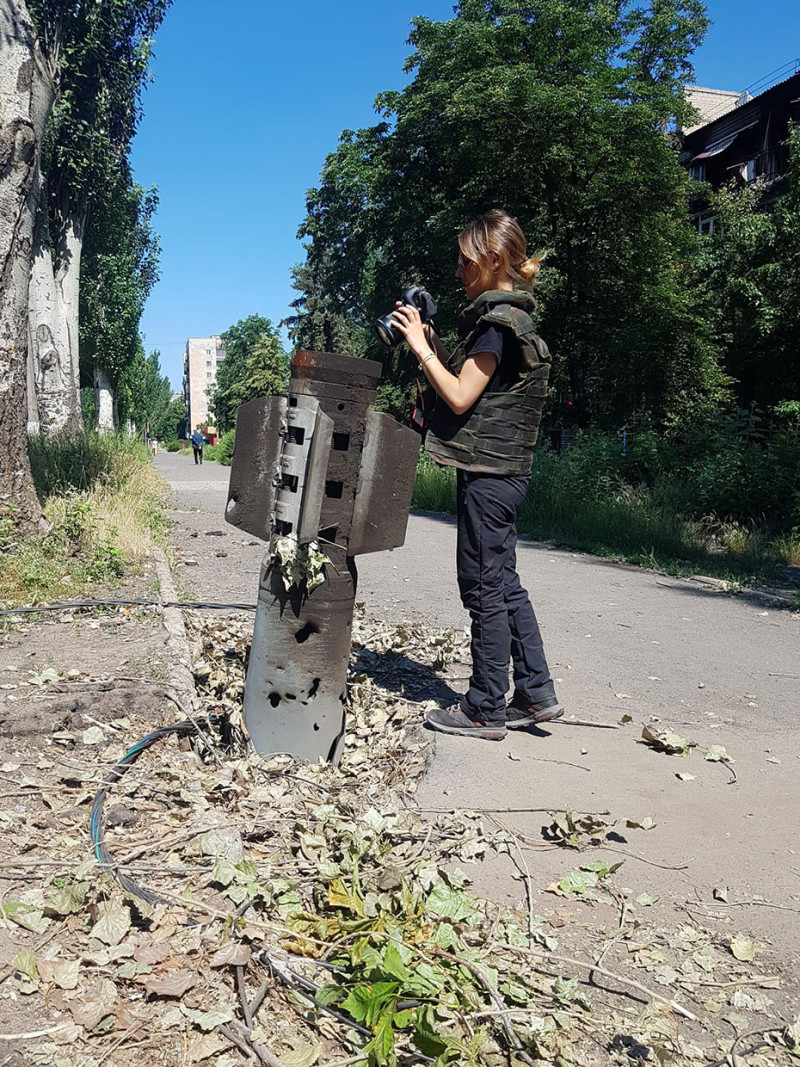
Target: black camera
{"x":417,"y":296}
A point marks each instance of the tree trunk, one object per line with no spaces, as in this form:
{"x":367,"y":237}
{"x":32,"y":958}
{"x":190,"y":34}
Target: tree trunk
{"x":68,"y":280}
{"x":50,"y":347}
{"x":33,"y":404}
{"x":26,"y":92}
{"x":105,"y":404}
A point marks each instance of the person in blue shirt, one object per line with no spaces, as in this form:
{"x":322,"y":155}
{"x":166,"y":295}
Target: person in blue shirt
{"x":197,"y":446}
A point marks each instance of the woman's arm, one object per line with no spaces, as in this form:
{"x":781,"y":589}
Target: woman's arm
{"x":458,"y":392}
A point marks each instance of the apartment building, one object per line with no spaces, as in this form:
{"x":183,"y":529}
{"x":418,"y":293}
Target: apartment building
{"x":200,"y":361}
{"x":742,"y":137}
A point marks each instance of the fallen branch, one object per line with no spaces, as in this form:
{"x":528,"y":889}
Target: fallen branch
{"x":128,"y":1033}
{"x":742,"y":904}
{"x":732,"y":1055}
{"x":585,"y":722}
{"x":589,"y":966}
{"x":635,"y":856}
{"x":35,"y":1033}
{"x":242,"y":991}
{"x":243,"y":1039}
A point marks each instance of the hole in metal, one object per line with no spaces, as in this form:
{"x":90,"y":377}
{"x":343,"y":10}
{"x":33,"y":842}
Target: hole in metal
{"x":314,"y":687}
{"x":296,"y":434}
{"x":329,"y":533}
{"x":341,"y":442}
{"x":334,"y":489}
{"x":305,"y":632}
{"x":316,"y":726}
{"x":274,"y":698}
{"x":290,"y":482}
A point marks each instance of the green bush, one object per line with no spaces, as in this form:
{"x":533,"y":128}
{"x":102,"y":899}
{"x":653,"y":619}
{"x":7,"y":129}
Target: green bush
{"x":224,"y":448}
{"x":173,"y":446}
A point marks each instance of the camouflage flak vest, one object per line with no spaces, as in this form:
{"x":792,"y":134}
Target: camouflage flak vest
{"x":497,"y":435}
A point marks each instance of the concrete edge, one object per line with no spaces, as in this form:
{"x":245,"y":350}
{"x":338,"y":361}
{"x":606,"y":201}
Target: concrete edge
{"x":181,"y":676}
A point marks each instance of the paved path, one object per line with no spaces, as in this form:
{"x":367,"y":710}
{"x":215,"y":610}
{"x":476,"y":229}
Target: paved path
{"x":621,"y":640}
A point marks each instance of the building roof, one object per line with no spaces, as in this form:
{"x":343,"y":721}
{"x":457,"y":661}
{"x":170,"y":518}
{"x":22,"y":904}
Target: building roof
{"x":716,"y":104}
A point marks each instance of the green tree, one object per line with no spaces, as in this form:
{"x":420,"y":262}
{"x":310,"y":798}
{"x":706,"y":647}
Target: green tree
{"x":558,"y":111}
{"x":254,"y":365}
{"x":120,"y":268}
{"x":146,"y":395}
{"x":102,"y":52}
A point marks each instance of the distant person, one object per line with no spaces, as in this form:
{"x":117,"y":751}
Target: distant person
{"x":485,"y":422}
{"x":197,"y":446}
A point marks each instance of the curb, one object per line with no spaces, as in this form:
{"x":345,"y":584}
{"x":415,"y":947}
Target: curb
{"x":182,"y":678}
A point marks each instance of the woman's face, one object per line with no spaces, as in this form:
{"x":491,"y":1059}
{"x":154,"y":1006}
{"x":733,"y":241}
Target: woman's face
{"x":476,"y":278}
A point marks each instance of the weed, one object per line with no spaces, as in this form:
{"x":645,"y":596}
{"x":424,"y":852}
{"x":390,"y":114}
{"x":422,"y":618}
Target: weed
{"x":158,"y":670}
{"x":9,"y":516}
{"x":106,"y":505}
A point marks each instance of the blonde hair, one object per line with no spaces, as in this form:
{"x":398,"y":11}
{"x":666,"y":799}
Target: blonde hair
{"x":496,"y":232}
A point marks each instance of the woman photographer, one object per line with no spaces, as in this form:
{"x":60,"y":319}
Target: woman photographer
{"x":490,"y":393}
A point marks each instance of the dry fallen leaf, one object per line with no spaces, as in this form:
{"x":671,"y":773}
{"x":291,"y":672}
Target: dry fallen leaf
{"x":743,"y":949}
{"x":170,"y":984}
{"x":234,"y":954}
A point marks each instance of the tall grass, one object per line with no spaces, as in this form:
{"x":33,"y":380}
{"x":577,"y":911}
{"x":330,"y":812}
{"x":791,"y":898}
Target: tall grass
{"x":82,"y":461}
{"x":728,"y":513}
{"x":106,"y":507}
{"x":434,"y":487}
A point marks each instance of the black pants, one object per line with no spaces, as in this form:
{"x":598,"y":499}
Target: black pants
{"x":198,"y":453}
{"x":504,"y":625}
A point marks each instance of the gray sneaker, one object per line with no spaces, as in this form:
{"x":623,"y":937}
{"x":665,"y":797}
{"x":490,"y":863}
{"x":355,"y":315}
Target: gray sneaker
{"x":452,"y":720}
{"x":524,"y":713}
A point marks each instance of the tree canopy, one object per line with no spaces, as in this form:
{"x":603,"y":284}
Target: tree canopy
{"x":254,"y":365}
{"x":120,"y":268}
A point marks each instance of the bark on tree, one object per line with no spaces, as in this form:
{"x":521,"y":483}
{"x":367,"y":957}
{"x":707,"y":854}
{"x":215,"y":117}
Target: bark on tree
{"x":68,"y":279}
{"x":105,"y":404}
{"x":26,"y":96}
{"x":53,"y":344}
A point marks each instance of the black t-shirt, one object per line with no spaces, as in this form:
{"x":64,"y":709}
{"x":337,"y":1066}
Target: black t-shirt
{"x":504,"y":347}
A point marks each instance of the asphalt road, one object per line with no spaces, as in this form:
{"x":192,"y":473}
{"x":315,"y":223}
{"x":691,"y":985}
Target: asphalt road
{"x":717,"y":669}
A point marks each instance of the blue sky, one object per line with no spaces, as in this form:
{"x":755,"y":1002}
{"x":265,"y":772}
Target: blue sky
{"x":245,"y":106}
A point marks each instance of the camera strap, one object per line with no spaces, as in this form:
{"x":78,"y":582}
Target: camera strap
{"x":422,"y":408}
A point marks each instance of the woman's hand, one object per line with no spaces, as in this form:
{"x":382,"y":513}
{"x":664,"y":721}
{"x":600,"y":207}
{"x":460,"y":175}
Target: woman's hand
{"x":408,"y":321}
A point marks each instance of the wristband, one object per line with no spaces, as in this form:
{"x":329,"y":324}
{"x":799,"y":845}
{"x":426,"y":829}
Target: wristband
{"x":430,"y":355}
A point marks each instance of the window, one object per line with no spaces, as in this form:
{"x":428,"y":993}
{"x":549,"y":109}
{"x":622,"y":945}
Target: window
{"x":208,"y":363}
{"x":707,"y":225}
{"x":697,"y":171}
{"x":209,"y":375}
{"x":748,"y":170}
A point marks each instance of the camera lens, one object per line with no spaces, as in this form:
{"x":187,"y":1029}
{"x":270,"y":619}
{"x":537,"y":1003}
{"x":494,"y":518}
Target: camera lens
{"x":387,"y":331}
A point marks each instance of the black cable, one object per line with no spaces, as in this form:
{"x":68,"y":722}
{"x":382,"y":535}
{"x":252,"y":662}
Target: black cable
{"x":187,"y":604}
{"x":181,"y":729}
